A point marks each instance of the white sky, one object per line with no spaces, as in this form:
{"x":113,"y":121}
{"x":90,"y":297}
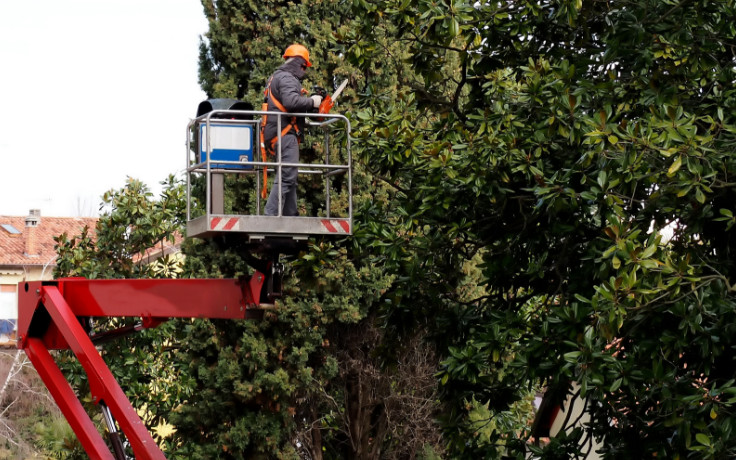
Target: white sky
{"x":91,"y":92}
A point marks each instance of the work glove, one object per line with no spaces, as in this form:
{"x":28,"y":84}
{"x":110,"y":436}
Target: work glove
{"x":316,"y":100}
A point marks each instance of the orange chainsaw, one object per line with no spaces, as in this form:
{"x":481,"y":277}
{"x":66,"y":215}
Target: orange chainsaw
{"x":328,"y":102}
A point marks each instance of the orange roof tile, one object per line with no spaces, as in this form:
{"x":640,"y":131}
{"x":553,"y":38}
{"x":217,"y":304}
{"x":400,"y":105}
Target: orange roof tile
{"x":13,"y":246}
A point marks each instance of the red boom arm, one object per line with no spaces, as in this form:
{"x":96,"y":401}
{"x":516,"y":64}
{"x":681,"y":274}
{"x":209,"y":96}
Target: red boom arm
{"x":49,"y":318}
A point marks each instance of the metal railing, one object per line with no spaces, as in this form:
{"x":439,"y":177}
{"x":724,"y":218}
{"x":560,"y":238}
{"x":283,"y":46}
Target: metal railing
{"x":205,"y":161}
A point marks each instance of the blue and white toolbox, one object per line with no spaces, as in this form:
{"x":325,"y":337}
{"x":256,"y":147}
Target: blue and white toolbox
{"x":231,"y":142}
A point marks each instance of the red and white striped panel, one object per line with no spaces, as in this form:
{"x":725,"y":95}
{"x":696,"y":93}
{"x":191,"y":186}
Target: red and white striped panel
{"x":224,"y":223}
{"x":336,"y":226}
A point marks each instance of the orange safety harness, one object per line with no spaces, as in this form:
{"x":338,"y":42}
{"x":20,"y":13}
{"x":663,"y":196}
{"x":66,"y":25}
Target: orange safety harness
{"x":272,"y":144}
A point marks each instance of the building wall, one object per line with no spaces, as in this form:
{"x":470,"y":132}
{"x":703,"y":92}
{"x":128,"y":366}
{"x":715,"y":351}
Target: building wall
{"x":9,"y":279}
{"x":577,"y":406}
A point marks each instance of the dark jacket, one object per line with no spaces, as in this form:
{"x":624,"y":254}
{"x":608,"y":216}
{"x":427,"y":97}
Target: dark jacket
{"x":286,"y":86}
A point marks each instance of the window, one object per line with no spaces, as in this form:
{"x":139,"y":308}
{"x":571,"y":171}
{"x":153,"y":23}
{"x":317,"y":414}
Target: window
{"x":10,"y":229}
{"x":8,"y":302}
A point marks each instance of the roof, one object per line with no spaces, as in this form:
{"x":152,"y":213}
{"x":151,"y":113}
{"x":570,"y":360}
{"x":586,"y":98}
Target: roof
{"x":164,"y":248}
{"x":13,"y":245}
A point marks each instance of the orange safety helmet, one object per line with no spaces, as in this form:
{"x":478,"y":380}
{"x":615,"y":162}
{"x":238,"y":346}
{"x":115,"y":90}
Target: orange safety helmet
{"x":298,"y":50}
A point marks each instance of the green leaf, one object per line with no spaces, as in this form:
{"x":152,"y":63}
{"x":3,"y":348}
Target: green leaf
{"x":602,"y":179}
{"x":699,"y":195}
{"x":647,"y":252}
{"x":616,"y":262}
{"x":703,"y":439}
{"x":675,"y":166}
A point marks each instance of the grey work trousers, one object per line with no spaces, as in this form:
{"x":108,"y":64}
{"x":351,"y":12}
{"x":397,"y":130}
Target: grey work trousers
{"x":289,"y":154}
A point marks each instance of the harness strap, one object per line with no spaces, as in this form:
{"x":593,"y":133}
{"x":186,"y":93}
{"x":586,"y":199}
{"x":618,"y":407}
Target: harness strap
{"x":292,"y":121}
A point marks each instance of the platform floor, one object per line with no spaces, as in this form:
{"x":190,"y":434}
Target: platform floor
{"x":217,"y":224}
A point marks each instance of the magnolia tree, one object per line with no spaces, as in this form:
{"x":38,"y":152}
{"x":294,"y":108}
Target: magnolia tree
{"x":584,"y":152}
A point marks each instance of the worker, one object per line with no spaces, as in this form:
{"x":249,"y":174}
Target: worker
{"x":284,"y":94}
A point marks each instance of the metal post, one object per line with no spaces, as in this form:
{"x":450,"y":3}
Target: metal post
{"x":218,"y":193}
{"x":327,"y":176}
{"x":188,"y":145}
{"x":114,"y":434}
{"x":208,"y":150}
{"x":278,"y":158}
{"x":257,"y":169}
{"x":350,"y":171}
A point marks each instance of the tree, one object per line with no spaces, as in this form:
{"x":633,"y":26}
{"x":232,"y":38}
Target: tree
{"x":557,"y":141}
{"x":131,"y":223}
{"x":245,"y":43}
{"x":304,"y":379}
